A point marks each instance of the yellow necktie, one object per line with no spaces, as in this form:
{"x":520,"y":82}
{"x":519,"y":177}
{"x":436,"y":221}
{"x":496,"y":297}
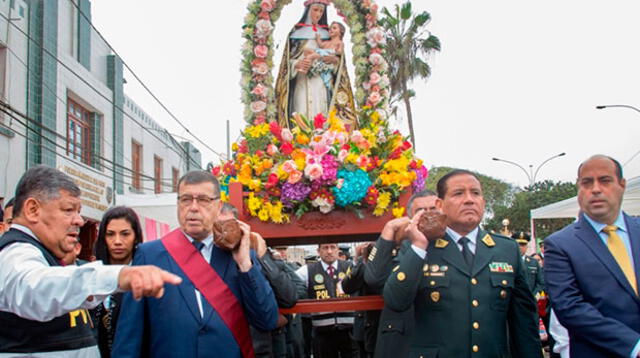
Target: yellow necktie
{"x":619,"y":252}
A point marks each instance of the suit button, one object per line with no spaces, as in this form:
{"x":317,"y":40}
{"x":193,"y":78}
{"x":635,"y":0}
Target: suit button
{"x":475,"y":348}
{"x":476,"y":325}
{"x":389,"y":326}
{"x":474,"y":281}
{"x":475,"y":303}
{"x":504,"y":282}
{"x":432,"y":283}
{"x":503,"y":294}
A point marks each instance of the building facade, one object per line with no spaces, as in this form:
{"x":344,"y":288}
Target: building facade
{"x":63,"y":91}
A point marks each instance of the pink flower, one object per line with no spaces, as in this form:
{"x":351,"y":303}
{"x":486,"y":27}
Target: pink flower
{"x":260,"y":68}
{"x":260,"y":51}
{"x":362,"y":161}
{"x":258,"y":106}
{"x":259,"y":90}
{"x":375,"y":37}
{"x":289,"y":166}
{"x":374,"y":78}
{"x":339,"y":183}
{"x":313,"y":171}
{"x":272,"y":150}
{"x":259,"y":120}
{"x":287,"y":136}
{"x":294,"y":176}
{"x":267,"y":5}
{"x":357,"y":137}
{"x":374,"y":98}
{"x":384,"y":81}
{"x":263,"y":28}
{"x":376,"y":59}
{"x":342,"y":155}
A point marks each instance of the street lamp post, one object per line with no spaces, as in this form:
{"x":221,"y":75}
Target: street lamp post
{"x":531,"y":175}
{"x":618,"y":105}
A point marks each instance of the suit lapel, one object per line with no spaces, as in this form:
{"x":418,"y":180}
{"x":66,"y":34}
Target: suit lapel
{"x":452,"y":254}
{"x":586,"y":233}
{"x":186,"y":288}
{"x":483,"y":254}
{"x":634,"y":239}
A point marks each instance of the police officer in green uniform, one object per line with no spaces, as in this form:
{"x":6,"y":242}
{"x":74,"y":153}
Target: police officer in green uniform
{"x":395,"y":327}
{"x":469,"y":288}
{"x":532,"y":267}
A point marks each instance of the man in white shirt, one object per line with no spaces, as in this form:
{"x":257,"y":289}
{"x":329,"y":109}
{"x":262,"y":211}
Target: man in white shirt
{"x":43,"y":304}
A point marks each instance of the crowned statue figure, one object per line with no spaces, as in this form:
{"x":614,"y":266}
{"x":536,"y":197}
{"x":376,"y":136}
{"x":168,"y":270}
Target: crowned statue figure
{"x":313,"y":74}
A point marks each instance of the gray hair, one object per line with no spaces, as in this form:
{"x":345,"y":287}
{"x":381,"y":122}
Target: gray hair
{"x":228,"y":208}
{"x":43,"y":183}
{"x":200,"y":176}
{"x":421,"y":194}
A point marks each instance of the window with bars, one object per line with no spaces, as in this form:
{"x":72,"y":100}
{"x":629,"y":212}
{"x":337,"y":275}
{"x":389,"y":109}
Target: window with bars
{"x":79,"y":132}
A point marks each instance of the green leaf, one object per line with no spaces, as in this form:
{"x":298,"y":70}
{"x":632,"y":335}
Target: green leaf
{"x":405,"y":13}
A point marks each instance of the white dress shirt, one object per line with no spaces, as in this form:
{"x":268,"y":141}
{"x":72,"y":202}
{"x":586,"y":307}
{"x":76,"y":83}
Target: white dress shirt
{"x":206,"y":253}
{"x":472,"y":236}
{"x":36,"y":291}
{"x":303,"y":271}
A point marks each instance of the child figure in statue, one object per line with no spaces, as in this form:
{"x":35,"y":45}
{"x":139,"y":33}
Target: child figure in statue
{"x":333,"y":46}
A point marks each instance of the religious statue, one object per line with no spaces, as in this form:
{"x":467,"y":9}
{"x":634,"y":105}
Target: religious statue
{"x":313,"y":74}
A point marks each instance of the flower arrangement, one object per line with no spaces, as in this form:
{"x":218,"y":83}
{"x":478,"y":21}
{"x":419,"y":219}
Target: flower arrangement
{"x":372,"y":82}
{"x":320,"y":166}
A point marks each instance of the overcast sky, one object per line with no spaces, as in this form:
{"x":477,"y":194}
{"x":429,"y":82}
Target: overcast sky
{"x":515,"y":80}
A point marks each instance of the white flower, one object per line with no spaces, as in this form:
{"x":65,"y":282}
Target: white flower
{"x":258,"y":106}
{"x":375,"y":37}
{"x":263,"y":28}
{"x":323,"y":204}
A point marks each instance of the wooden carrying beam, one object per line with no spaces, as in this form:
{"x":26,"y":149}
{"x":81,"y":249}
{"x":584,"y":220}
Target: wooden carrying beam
{"x":362,"y":303}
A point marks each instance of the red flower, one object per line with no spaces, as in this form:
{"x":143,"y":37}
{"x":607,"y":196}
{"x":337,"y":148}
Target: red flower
{"x":406,"y":145}
{"x":272,"y":181}
{"x":346,"y":147}
{"x":413,"y":165}
{"x":215,"y":171}
{"x":259,"y":153}
{"x":396,"y":153}
{"x":243,"y":147}
{"x":229,"y":168}
{"x":372,"y":196}
{"x":318,"y":121}
{"x":275,"y":129}
{"x":286,"y":148}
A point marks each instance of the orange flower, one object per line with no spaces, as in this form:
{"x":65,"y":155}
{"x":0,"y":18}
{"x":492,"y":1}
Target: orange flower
{"x":302,"y":139}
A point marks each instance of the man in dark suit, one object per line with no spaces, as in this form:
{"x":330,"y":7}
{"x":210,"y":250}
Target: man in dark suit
{"x":592,"y":267}
{"x":207,"y":315}
{"x":468,"y":288}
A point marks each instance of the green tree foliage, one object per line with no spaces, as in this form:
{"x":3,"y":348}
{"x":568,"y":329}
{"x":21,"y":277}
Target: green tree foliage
{"x":496,"y":192}
{"x":518,"y":211}
{"x":408,"y":45}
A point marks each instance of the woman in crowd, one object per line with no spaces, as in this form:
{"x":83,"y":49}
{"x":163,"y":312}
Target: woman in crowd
{"x":118,"y":236}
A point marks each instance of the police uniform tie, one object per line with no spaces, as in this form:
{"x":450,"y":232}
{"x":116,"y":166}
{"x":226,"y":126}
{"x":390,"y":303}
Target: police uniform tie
{"x":619,"y":252}
{"x":466,"y":252}
{"x":330,"y":270}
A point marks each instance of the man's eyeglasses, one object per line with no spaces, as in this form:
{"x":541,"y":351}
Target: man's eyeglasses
{"x":202,"y":200}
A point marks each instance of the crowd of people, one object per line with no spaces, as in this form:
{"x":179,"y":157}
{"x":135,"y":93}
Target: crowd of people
{"x":465,"y":293}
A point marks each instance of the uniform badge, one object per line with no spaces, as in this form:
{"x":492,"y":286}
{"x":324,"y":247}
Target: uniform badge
{"x":318,"y":278}
{"x":396,"y":268}
{"x":425,"y":268}
{"x":341,"y":275}
{"x":435,"y":296}
{"x":372,"y":255}
{"x":401,"y":276}
{"x":444,"y":268}
{"x":441,"y":243}
{"x":500,"y":267}
{"x":488,"y":241}
{"x":435,"y":268}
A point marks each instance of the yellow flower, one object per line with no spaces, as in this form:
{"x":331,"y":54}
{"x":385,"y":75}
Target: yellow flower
{"x":258,"y":130}
{"x":276,"y":213}
{"x":383,"y":200}
{"x":351,"y":158}
{"x":375,"y":117}
{"x":263,"y":215}
{"x":254,"y":204}
{"x":378,"y":211}
{"x":398,"y":211}
{"x":335,"y":124}
{"x":234,"y":146}
{"x":255,"y":185}
{"x":224,"y":197}
{"x":300,"y":163}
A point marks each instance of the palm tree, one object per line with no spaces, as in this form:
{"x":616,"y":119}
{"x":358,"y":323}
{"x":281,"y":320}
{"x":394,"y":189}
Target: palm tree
{"x":408,"y":45}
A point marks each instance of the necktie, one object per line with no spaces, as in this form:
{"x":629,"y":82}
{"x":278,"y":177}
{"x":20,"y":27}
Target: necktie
{"x":330,"y":270}
{"x":466,"y":253}
{"x":199,"y":246}
{"x":619,"y":252}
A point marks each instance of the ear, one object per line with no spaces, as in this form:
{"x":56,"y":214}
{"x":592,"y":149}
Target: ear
{"x":31,"y":210}
{"x":439,"y":204}
{"x":623,"y":183}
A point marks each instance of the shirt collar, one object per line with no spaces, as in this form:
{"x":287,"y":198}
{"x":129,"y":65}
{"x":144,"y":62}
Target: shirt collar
{"x":326,"y":265}
{"x":471,"y":236}
{"x":207,"y":242}
{"x":24,"y":229}
{"x":598,"y":226}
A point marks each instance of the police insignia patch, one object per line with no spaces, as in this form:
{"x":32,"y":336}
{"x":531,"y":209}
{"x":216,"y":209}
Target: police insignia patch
{"x":435,"y":296}
{"x":318,"y":278}
{"x":341,"y":275}
{"x":441,"y":243}
{"x":488,"y":241}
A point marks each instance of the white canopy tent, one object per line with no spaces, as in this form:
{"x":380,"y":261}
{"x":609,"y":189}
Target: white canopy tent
{"x":569,"y":208}
{"x":157,"y":212}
